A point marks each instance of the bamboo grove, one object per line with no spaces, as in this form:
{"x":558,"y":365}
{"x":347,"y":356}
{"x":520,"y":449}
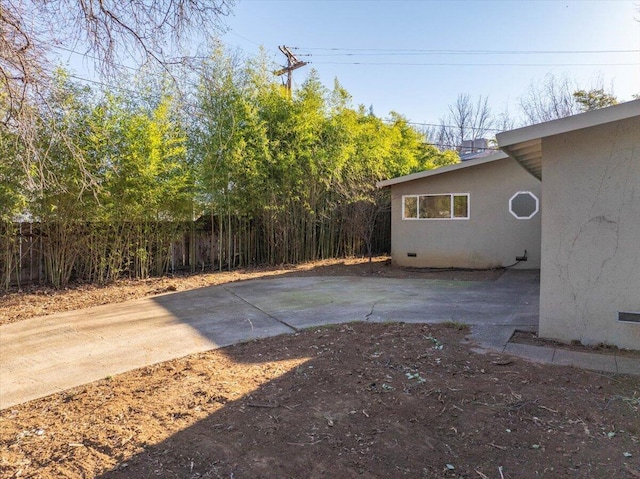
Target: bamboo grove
{"x":227,"y":170}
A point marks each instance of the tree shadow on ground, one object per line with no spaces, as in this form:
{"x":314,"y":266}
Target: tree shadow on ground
{"x":228,"y":313}
{"x":382,"y":400}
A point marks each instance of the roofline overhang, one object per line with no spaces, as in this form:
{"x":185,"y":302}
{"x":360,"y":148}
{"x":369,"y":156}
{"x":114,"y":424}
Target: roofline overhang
{"x":525,"y":144}
{"x":498,"y":155}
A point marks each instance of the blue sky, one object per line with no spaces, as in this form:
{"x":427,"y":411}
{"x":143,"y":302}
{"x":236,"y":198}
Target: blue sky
{"x":418,"y":85}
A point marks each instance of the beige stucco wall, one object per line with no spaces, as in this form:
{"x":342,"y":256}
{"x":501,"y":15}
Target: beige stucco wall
{"x":490,"y":238}
{"x":591,"y":234}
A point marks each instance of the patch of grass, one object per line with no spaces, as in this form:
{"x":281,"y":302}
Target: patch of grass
{"x":607,"y":347}
{"x":331,"y":327}
{"x":456,"y":325}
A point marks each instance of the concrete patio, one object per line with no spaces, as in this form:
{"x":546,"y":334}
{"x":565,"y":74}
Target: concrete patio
{"x":45,"y":355}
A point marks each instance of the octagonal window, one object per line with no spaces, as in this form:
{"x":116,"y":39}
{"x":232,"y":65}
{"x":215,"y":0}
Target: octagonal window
{"x":524,"y":205}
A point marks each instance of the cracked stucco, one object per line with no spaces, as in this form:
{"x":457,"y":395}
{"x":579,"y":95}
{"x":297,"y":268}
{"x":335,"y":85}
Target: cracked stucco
{"x":591,"y":234}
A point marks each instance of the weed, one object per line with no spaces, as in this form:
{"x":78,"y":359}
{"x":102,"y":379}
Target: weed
{"x":436,"y":342}
{"x":456,"y":325}
{"x":416,"y":376}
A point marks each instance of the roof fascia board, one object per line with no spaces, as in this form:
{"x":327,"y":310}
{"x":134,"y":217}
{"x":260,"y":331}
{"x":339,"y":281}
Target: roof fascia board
{"x":443,"y":169}
{"x":588,"y":119}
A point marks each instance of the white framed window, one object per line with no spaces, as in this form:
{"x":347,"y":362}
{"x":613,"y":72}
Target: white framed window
{"x":524,"y":205}
{"x":452,"y":206}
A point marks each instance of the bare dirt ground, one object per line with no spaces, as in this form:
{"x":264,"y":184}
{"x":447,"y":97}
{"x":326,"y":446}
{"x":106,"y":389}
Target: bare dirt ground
{"x":356,"y":400}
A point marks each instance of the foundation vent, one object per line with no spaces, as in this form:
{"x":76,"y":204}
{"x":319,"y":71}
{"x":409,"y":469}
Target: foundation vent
{"x":626,"y":317}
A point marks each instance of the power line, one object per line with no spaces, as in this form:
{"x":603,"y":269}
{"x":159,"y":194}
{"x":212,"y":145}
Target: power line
{"x":400,"y":54}
{"x":87,"y":55}
{"x":450,"y":146}
{"x":380,"y":52}
{"x":480,"y":64}
{"x":383,"y":51}
{"x":443,"y":125}
{"x":386,"y":120}
{"x":176,"y":61}
{"x":439,"y":125}
{"x":292,"y":64}
{"x":251,"y":41}
{"x":97,"y":82}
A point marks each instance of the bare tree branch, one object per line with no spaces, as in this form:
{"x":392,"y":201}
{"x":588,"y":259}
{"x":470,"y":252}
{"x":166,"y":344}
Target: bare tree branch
{"x":466,"y":120}
{"x":549,"y":100}
{"x":114,"y":32}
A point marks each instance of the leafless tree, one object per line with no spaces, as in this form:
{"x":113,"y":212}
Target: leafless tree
{"x":549,"y":100}
{"x":466,"y":120}
{"x":503,"y":121}
{"x":109,"y":32}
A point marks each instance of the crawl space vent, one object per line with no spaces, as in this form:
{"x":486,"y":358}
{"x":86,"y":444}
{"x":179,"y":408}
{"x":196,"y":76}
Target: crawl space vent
{"x":629,"y":317}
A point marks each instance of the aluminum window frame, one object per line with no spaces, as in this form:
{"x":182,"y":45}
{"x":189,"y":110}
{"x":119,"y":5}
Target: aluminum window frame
{"x":451,"y":196}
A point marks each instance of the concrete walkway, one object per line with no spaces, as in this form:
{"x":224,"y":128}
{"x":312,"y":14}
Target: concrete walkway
{"x":41,"y":356}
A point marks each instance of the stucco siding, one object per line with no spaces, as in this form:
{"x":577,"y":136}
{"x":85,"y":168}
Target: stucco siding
{"x":491,"y":237}
{"x":591,"y":234}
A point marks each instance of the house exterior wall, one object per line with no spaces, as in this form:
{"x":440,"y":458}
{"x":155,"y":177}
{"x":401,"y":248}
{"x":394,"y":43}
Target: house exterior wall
{"x":491,"y":237}
{"x":591,"y":234}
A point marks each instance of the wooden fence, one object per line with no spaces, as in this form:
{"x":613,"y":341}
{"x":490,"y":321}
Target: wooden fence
{"x":198,"y":246}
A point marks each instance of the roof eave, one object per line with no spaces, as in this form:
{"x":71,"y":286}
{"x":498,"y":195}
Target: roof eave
{"x":525,"y":144}
{"x":527,"y":154}
{"x":498,"y":155}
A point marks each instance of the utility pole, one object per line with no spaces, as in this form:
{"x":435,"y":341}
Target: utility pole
{"x":292,"y":64}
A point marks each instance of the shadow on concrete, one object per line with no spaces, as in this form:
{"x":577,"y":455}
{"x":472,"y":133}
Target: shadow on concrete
{"x":46,"y":355}
{"x":244,"y":310}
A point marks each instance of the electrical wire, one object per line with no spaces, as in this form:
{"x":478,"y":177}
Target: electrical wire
{"x":380,"y":52}
{"x":481,"y":64}
{"x":414,"y":123}
{"x":438,"y":125}
{"x":447,"y":146}
{"x":409,"y":51}
{"x":178,"y":60}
